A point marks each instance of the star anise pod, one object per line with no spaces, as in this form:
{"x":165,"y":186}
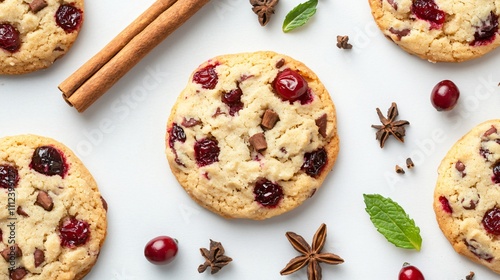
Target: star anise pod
{"x":311,"y":256}
{"x":214,"y":258}
{"x":264,"y":9}
{"x":390,"y":126}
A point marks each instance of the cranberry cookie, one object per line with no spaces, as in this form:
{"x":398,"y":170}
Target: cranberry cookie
{"x":52,"y":217}
{"x":253,"y":135}
{"x":34,"y":33}
{"x":467,"y":195}
{"x":440,"y":30}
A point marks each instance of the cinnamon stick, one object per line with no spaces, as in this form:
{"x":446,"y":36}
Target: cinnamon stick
{"x":101,"y":72}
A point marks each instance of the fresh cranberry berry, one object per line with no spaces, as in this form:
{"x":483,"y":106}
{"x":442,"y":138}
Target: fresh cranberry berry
{"x":9,"y":38}
{"x":444,"y":95}
{"x":176,"y":133}
{"x":69,"y":17}
{"x":445,"y":204}
{"x":74,"y":232}
{"x":410,"y":272}
{"x":161,"y":250}
{"x":207,"y":77}
{"x":49,"y":161}
{"x":8,"y":176}
{"x":314,"y":162}
{"x":428,"y":10}
{"x":267,"y":193}
{"x":496,"y":173}
{"x":486,"y":32}
{"x":491,"y":221}
{"x":233,"y":100}
{"x":290,"y":85}
{"x":206,"y":151}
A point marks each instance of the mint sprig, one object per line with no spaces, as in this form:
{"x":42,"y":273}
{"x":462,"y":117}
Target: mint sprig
{"x":299,"y":15}
{"x":392,"y":222}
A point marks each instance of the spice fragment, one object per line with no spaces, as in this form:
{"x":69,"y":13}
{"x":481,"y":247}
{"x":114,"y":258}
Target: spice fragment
{"x":214,"y":258}
{"x":343,"y":42}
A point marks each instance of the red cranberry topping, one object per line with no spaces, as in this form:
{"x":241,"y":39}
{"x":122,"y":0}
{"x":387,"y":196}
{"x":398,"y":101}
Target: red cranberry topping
{"x":476,"y":248}
{"x":49,"y":161}
{"x":445,"y":204}
{"x":69,"y":17}
{"x":491,"y":221}
{"x":74,"y":232}
{"x":496,"y":173}
{"x":290,"y":85}
{"x":8,"y":176}
{"x":428,"y":10}
{"x":306,"y":98}
{"x":486,"y":32}
{"x":9,"y":38}
{"x":314,"y":162}
{"x":207,"y":77}
{"x":176,"y":133}
{"x":233,"y":100}
{"x":161,"y":250}
{"x":267,"y":193}
{"x":444,"y":95}
{"x":206,"y":151}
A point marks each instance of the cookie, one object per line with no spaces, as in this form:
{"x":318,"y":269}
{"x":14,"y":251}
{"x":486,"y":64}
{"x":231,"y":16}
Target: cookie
{"x":34,"y":33}
{"x":253,"y":135}
{"x":439,"y":30}
{"x":467,"y":195}
{"x":52,"y":216}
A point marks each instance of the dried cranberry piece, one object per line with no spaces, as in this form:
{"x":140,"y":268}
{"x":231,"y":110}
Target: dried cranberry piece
{"x":74,"y":232}
{"x":49,"y":161}
{"x":207,"y":77}
{"x":486,"y":32}
{"x":290,"y":85}
{"x":496,"y":173}
{"x":176,"y":133}
{"x":206,"y":151}
{"x":314,"y":162}
{"x":491,"y":221}
{"x":445,"y":204}
{"x":233,"y":100}
{"x":69,"y":17}
{"x":9,"y":38}
{"x":306,"y":98}
{"x":267,"y":193}
{"x":8,"y":176}
{"x":485,"y":153}
{"x":428,"y":10}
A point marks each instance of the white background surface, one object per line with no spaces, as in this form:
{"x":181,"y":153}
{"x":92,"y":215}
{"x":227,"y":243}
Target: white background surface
{"x":121,"y":140}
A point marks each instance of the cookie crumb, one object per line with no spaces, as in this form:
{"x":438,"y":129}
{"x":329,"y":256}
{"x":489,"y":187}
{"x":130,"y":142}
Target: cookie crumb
{"x":399,"y":169}
{"x":343,"y":42}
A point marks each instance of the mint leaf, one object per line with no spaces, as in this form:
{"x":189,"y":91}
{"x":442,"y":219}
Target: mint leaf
{"x":299,"y":15}
{"x":392,"y":222}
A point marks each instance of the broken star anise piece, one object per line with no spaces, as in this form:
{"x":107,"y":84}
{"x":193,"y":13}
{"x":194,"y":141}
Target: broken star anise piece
{"x":310,"y":256}
{"x":264,"y":9}
{"x":214,"y":258}
{"x":390,"y":126}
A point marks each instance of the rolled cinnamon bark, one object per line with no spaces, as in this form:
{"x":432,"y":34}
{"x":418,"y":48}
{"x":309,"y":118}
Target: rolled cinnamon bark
{"x":100,"y":73}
